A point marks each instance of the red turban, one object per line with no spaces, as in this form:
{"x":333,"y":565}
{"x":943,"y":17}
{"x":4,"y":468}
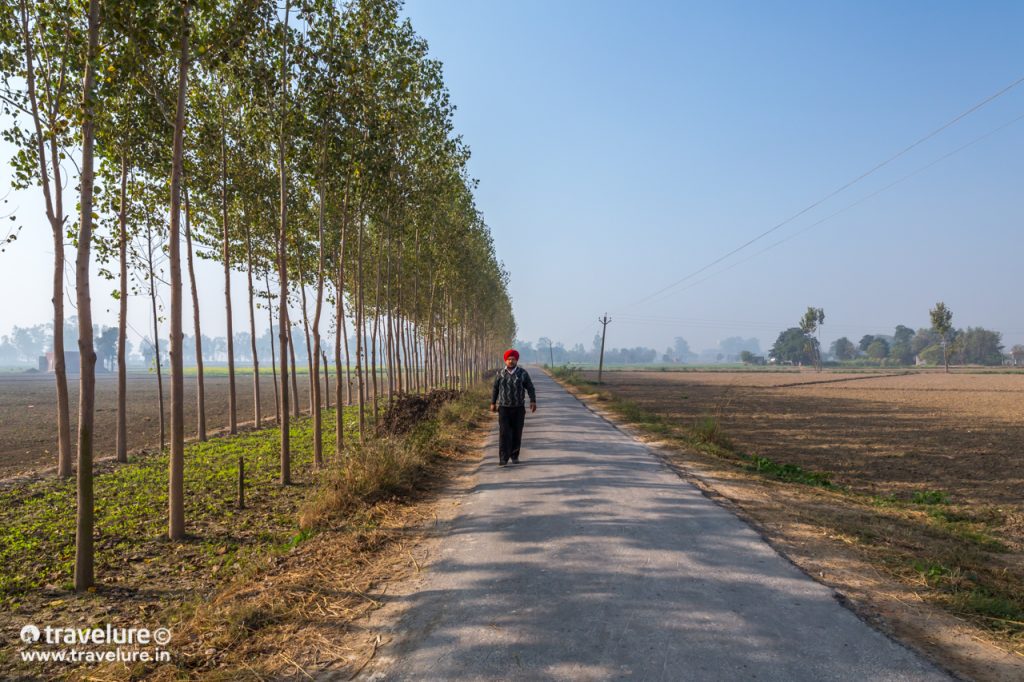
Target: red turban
{"x":511,"y":352}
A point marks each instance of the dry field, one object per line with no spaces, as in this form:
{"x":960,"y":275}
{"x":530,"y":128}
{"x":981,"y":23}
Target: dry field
{"x":879,"y":434}
{"x":28,"y":422}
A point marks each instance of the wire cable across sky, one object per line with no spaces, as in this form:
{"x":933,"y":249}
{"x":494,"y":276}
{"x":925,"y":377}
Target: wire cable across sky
{"x":858,"y":202}
{"x":839,"y":190}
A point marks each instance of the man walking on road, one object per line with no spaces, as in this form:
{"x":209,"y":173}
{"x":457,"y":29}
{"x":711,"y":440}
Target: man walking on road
{"x":507,"y":399}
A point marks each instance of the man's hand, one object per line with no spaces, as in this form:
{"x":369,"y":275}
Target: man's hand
{"x":494,"y":408}
{"x":533,"y":407}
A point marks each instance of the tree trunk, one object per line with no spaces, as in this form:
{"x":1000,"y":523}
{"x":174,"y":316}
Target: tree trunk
{"x":359,"y":331}
{"x":295,"y":380}
{"x":327,"y":381}
{"x":282,"y":263}
{"x":375,"y":332}
{"x":305,"y":329}
{"x":84,"y":570}
{"x":273,"y":354}
{"x":340,"y":333}
{"x":388,"y":336}
{"x":122,"y":319}
{"x":226,"y":257}
{"x":200,"y":386}
{"x":413,"y":342}
{"x":257,"y":415}
{"x":55,"y":216}
{"x":156,"y":336}
{"x":176,"y":465}
{"x":314,"y":375}
{"x":428,"y":351}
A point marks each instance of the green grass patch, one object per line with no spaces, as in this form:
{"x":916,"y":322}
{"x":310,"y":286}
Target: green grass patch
{"x":790,"y":473}
{"x":930,"y":497}
{"x":971,"y":594}
{"x":709,"y":430}
{"x":37,"y":521}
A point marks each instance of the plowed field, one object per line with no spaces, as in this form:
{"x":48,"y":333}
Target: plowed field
{"x":883,"y":434}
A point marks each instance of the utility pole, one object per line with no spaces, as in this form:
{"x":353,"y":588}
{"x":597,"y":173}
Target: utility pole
{"x":551,"y":353}
{"x":604,"y":327}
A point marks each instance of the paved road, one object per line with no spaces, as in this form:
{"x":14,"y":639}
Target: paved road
{"x":591,"y":560}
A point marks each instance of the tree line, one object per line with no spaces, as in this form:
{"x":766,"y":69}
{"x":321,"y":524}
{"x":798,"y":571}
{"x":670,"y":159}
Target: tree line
{"x":310,"y":147}
{"x":23,"y":347}
{"x":940,"y":343}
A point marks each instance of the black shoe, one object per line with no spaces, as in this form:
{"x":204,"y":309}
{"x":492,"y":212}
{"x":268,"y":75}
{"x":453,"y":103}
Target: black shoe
{"x":515,"y":460}
{"x":502,"y":462}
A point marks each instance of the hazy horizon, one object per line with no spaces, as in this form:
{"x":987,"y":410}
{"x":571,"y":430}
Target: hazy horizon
{"x":620,"y":151}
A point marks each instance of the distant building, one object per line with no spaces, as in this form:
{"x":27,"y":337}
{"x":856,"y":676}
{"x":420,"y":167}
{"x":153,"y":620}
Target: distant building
{"x":72,"y":365}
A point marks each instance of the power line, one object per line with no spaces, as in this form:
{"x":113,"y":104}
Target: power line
{"x":843,"y":188}
{"x":851,"y":205}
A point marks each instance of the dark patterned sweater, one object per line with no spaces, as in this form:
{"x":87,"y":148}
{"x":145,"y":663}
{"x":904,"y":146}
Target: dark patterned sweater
{"x":509,"y":388}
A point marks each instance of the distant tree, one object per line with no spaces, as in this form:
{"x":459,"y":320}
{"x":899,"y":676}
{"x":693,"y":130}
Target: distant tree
{"x":148,"y":351}
{"x":682,"y":350}
{"x":902,"y":334}
{"x":980,"y":346}
{"x":747,"y":358}
{"x":923,"y":339}
{"x":628,"y":356}
{"x":901,"y":350}
{"x":843,"y":349}
{"x":878,"y":350}
{"x":931,"y":354}
{"x":1017,"y":353}
{"x":8,"y":352}
{"x":243,"y":346}
{"x":560,"y":353}
{"x":106,"y":348}
{"x":545,"y":348}
{"x":901,"y":353}
{"x":188,"y":351}
{"x":942,"y":323}
{"x":29,"y":341}
{"x":810,"y":325}
{"x":791,"y":346}
{"x":865,"y":341}
{"x":734,"y":345}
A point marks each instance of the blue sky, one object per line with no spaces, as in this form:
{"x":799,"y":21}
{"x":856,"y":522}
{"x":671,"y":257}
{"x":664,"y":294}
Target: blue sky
{"x":623,"y":146}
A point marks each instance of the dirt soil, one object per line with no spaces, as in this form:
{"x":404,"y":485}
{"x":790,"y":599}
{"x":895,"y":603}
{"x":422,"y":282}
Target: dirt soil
{"x":961,"y":433}
{"x":28,"y":421}
{"x":879,"y":435}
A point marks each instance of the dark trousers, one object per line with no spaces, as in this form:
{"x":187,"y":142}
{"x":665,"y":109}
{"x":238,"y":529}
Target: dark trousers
{"x":510,"y":432}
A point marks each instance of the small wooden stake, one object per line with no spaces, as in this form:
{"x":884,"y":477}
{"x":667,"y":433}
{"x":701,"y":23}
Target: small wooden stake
{"x":241,"y":482}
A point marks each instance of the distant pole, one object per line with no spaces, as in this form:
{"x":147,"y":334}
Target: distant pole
{"x":551,"y":353}
{"x":604,"y":327}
